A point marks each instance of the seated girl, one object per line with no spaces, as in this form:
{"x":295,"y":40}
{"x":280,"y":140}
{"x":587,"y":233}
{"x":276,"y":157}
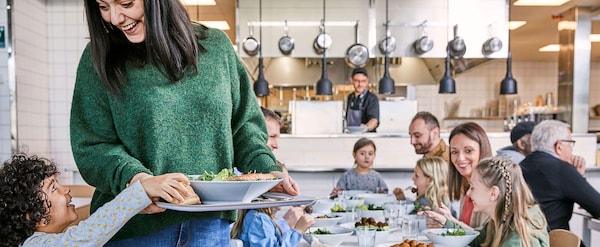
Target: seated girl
{"x":35,"y":210}
{"x":431,"y":181}
{"x":498,"y":189}
{"x":362,"y":176}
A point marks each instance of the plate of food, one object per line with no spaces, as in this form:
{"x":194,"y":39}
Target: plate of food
{"x":226,"y":187}
{"x":450,"y":237}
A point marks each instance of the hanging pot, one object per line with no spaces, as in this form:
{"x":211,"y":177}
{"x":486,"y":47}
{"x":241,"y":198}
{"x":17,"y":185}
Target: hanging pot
{"x":387,"y":45}
{"x":423,"y":44}
{"x":357,"y":54}
{"x":492,"y":45}
{"x":250,"y":44}
{"x":322,"y":42}
{"x":456,"y":46}
{"x":286,"y":43}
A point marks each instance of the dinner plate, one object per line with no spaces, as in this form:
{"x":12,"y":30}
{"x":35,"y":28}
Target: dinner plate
{"x":266,"y":203}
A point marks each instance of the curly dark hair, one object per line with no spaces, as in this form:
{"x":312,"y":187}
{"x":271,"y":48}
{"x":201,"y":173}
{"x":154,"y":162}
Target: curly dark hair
{"x":22,"y":202}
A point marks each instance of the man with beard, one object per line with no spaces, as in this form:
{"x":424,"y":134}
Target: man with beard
{"x":424,"y":133}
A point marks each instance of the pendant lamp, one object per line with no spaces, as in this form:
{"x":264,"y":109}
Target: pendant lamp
{"x":261,"y":86}
{"x":324,"y":85}
{"x":508,"y":84}
{"x":447,"y":83}
{"x":387,"y":84}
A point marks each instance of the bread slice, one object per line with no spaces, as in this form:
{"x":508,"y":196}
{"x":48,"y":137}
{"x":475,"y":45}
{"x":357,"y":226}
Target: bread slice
{"x":193,"y":198}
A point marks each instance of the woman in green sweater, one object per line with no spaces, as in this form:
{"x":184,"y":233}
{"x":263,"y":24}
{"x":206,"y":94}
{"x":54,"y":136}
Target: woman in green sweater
{"x":498,"y":189}
{"x":157,"y":94}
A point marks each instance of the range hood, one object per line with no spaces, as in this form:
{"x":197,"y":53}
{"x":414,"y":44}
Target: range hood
{"x":289,"y":71}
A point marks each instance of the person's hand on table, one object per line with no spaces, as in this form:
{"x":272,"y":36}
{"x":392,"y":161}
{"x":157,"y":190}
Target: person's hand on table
{"x":287,"y":184}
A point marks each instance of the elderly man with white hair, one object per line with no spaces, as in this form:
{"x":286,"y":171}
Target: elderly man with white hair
{"x":555,"y":183}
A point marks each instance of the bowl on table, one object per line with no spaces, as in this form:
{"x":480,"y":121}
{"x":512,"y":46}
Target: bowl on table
{"x":352,"y":203}
{"x":218,"y":192}
{"x":336,"y":236}
{"x":326,"y":220}
{"x":323,"y":206}
{"x":377,"y":199}
{"x":445,"y":237}
{"x":355,"y":193}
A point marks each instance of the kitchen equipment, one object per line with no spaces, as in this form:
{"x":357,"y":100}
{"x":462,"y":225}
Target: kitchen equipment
{"x":424,"y":43}
{"x":250,"y":44}
{"x":323,"y":41}
{"x":357,"y":54}
{"x":286,"y":43}
{"x":457,"y":47}
{"x":388,"y":44}
{"x":493,"y":44}
{"x":387,"y":85}
{"x":261,"y":85}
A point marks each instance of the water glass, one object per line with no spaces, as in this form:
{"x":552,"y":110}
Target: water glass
{"x":410,"y":228}
{"x":391,"y":212}
{"x":366,"y":236}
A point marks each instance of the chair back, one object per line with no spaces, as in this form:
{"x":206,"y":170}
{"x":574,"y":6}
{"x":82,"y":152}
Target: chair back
{"x":563,"y":238}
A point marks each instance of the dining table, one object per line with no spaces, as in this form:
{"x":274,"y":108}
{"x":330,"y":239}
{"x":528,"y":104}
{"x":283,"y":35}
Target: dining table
{"x":589,"y":224}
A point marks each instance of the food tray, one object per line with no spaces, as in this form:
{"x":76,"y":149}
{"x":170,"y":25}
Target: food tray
{"x":272,"y":200}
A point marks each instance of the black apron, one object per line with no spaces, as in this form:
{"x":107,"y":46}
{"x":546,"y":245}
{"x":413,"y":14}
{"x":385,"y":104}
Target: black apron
{"x":355,"y":110}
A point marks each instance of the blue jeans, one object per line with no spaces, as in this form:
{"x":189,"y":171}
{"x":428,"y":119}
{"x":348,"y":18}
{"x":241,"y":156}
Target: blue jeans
{"x":198,"y":233}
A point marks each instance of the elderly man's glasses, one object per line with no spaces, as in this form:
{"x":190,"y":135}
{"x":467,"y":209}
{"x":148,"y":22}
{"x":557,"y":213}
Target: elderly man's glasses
{"x":572,"y":142}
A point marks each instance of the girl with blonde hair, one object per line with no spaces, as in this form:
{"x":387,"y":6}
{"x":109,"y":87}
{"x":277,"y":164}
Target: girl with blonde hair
{"x":498,"y":189}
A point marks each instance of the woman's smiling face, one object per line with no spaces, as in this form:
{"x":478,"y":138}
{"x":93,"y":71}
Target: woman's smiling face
{"x":125,"y":15}
{"x":464,"y":154}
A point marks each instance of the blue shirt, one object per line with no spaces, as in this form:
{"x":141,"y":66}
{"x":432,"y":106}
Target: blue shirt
{"x":260,"y":230}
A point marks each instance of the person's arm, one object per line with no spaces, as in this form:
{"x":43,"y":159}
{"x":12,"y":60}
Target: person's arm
{"x":102,"y":225}
{"x":577,"y":189}
{"x":102,"y":159}
{"x":372,"y":112}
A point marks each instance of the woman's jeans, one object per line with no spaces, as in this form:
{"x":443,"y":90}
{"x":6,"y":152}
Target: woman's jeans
{"x":200,"y":233}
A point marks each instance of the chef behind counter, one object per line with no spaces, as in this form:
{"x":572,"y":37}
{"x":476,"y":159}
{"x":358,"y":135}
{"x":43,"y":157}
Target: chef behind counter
{"x":362,"y":107}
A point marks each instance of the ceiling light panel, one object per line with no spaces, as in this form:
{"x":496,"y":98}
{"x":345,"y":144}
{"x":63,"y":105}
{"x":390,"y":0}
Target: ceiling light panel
{"x":198,"y":2}
{"x":540,"y":2}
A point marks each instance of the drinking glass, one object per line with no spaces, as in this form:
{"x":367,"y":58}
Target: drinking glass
{"x":391,"y":212}
{"x":366,"y":236}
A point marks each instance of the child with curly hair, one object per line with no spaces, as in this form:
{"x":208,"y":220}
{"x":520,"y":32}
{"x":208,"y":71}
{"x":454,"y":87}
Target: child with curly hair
{"x":35,"y":210}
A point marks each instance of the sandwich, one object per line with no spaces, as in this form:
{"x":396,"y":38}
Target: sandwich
{"x":193,"y":198}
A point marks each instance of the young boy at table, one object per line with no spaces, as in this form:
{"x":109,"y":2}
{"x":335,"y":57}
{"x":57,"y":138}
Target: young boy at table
{"x":35,"y":210}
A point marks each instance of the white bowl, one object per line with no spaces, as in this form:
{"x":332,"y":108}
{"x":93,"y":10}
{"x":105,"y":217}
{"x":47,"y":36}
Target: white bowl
{"x":328,"y":220}
{"x":375,"y":214}
{"x":354,"y":193}
{"x":217,"y":192}
{"x":337,"y":236}
{"x":377,"y":199}
{"x":435,"y":236}
{"x":323,"y":206}
{"x":351,"y":203}
{"x":355,"y":129}
{"x":346,"y":216}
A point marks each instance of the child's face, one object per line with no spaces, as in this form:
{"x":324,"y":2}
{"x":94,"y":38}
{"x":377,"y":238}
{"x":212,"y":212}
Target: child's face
{"x":420,"y":180}
{"x":62,"y":212}
{"x":484,"y":198}
{"x":364,"y":156}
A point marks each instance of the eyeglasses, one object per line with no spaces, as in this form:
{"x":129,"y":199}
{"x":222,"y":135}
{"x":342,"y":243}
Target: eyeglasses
{"x":572,"y":142}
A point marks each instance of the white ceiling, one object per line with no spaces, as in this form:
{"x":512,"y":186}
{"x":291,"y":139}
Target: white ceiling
{"x":540,"y":30}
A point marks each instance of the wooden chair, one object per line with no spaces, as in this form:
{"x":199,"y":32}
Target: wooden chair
{"x":563,"y":238}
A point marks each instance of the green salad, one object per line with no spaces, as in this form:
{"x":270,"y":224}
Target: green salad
{"x":211,"y":176}
{"x":454,"y":232}
{"x":321,"y":231}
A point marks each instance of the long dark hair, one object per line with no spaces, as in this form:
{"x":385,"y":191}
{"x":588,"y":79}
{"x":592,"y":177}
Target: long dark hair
{"x":171,"y":43}
{"x":457,"y":185}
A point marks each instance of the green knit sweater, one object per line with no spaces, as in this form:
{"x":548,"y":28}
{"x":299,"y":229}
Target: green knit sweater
{"x":204,"y":122}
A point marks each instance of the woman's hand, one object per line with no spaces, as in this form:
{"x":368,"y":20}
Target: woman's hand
{"x":287,"y":184}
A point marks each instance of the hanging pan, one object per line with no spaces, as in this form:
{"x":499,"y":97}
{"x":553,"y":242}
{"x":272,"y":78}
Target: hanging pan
{"x":357,"y":54}
{"x":457,"y":47}
{"x":323,"y":41}
{"x":388,"y":44}
{"x":424,"y":44}
{"x":250,"y":44}
{"x":286,"y":43}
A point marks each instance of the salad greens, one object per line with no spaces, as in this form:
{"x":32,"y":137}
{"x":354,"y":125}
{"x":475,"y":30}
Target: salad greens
{"x":221,"y":176}
{"x":454,"y":232}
